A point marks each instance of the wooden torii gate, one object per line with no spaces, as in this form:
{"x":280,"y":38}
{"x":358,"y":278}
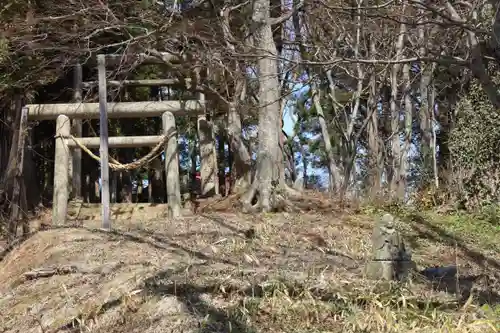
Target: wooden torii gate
{"x":68,"y":145}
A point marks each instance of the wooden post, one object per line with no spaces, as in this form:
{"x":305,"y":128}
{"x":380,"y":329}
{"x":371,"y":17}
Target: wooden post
{"x":172,"y":166}
{"x":208,"y":156}
{"x":77,"y":132}
{"x":18,"y":191}
{"x":103,"y":133}
{"x":61,"y":172}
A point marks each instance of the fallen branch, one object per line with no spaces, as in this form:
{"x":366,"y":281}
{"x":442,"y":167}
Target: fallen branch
{"x":50,"y":271}
{"x":45,"y":272}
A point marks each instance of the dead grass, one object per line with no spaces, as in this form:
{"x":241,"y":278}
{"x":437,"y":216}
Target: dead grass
{"x":301,"y":273}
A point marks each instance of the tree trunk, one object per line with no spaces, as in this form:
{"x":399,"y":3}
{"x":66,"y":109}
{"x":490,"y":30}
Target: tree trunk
{"x":425,"y":125}
{"x":240,"y":163}
{"x":290,"y":160}
{"x":334,"y":175}
{"x":126,"y":186}
{"x":268,"y":156}
{"x":11,"y":165}
{"x":7,"y":124}
{"x":446,"y":120}
{"x":424,"y":119}
{"x":385,"y":133}
{"x":375,"y":163}
{"x":432,"y":103}
{"x":404,"y":164}
{"x":396,"y":186}
{"x":242,"y":166}
{"x":13,"y":194}
{"x":350,"y":137}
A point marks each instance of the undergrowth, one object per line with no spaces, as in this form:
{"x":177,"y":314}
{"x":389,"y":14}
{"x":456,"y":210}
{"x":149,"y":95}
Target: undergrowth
{"x":285,"y":279}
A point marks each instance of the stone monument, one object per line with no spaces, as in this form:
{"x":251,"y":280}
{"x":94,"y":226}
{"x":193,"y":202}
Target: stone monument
{"x":390,"y":259}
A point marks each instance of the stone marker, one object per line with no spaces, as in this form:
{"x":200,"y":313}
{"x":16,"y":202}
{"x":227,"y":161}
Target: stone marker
{"x":390,"y":258}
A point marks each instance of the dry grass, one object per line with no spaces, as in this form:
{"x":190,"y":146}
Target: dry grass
{"x":302,"y":273}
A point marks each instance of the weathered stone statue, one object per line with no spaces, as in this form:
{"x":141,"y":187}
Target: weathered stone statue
{"x":390,"y":258}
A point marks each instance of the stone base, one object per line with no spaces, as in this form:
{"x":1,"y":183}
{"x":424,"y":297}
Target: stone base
{"x":389,"y":270}
{"x":380,"y":270}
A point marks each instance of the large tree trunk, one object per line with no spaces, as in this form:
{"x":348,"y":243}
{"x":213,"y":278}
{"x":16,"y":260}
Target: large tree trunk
{"x":396,"y":186}
{"x":268,"y":156}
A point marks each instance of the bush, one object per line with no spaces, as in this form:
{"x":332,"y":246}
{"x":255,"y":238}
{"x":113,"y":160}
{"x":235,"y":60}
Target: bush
{"x":474,"y":151}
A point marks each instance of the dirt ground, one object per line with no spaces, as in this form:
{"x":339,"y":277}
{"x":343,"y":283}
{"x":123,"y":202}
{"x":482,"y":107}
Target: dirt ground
{"x":232,"y":272}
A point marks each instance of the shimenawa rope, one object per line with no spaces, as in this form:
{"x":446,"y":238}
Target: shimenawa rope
{"x":116,"y":165}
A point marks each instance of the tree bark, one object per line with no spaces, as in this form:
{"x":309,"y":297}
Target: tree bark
{"x":424,"y":119}
{"x":445,"y":118}
{"x":334,"y":175}
{"x":396,"y":186}
{"x":267,"y":170}
{"x":375,"y":162}
{"x":404,"y":164}
{"x":432,"y":103}
{"x":241,"y":160}
{"x":242,"y":166}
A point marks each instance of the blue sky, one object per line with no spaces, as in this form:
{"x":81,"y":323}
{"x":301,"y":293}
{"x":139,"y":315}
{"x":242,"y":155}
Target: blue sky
{"x":289,"y":119}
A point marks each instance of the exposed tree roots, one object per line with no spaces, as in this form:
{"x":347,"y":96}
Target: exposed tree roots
{"x":281,"y":198}
{"x":269,"y":197}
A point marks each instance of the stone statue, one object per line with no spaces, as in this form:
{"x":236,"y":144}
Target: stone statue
{"x":390,"y":258}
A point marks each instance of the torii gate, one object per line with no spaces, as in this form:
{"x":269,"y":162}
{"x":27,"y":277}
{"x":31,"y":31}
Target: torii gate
{"x":66,"y":144}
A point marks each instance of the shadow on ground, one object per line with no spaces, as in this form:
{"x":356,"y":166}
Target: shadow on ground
{"x":425,"y":229}
{"x":160,"y":242}
{"x":483,"y":286}
{"x":211,"y":319}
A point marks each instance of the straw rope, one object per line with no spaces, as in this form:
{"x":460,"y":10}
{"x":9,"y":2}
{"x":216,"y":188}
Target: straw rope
{"x":116,"y":165}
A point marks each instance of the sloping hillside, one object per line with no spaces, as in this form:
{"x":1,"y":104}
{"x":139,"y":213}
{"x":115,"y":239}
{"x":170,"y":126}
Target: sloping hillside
{"x":212,"y":273}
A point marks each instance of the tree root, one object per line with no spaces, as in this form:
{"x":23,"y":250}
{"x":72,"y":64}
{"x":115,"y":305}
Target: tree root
{"x":261,"y":197}
{"x":283,"y":198}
